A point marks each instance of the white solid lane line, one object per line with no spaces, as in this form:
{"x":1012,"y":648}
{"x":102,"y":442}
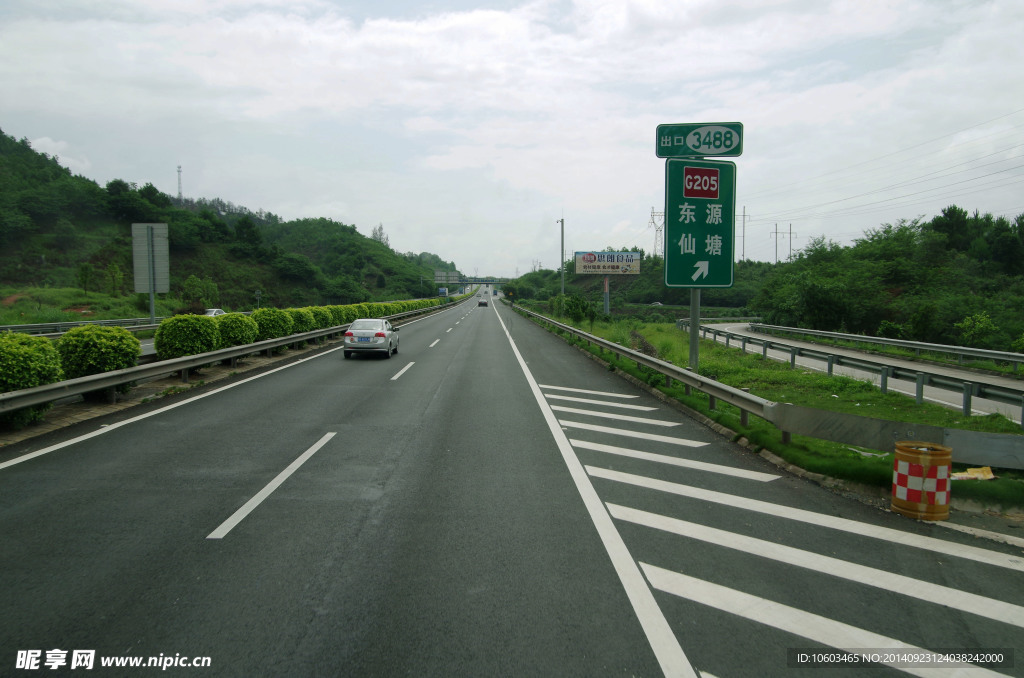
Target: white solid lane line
{"x":659,"y":634}
{"x":583,"y":390}
{"x":605,"y":403}
{"x":631,"y":434}
{"x":619,"y":417}
{"x":239,"y":515}
{"x":119,"y":424}
{"x":676,"y":461}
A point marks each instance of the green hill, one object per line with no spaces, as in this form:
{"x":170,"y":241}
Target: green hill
{"x":59,"y":230}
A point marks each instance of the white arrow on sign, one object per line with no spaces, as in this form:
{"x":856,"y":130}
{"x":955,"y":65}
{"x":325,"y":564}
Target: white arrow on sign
{"x":702,"y":270}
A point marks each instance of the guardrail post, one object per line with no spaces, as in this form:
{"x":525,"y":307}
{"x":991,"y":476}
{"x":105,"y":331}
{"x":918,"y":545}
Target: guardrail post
{"x":792,"y":356}
{"x":184,"y":376}
{"x":744,"y":415}
{"x":919,"y":389}
{"x":968,"y":392}
{"x":787,"y":437}
{"x":728,"y":338}
{"x":764,"y":349}
{"x":831,"y":360}
{"x":884,"y":380}
{"x":743,"y":344}
{"x":712,"y":402}
{"x":668,"y":381}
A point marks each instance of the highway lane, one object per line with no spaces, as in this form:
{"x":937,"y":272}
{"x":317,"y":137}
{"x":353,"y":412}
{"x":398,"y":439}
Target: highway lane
{"x":434,"y":534}
{"x":487,"y":506}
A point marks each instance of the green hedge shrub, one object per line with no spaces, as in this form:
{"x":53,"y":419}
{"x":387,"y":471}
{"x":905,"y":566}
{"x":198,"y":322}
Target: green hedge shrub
{"x":27,"y":361}
{"x":302,"y":320}
{"x":237,"y":329}
{"x":273,"y":323}
{"x":93,"y":349}
{"x":323,"y":317}
{"x":183,"y":335}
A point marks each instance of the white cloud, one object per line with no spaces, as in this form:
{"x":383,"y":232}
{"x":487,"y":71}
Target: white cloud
{"x":502,"y":119}
{"x":60,"y":151}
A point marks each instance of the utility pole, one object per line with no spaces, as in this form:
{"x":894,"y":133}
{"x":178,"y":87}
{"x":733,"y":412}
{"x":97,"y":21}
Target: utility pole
{"x":179,"y":185}
{"x":562,"y":259}
{"x":743,"y":256}
{"x":778,"y":233}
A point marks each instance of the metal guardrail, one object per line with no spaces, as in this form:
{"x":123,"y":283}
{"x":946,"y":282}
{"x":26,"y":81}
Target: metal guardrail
{"x":920,"y":378}
{"x":108,"y":381}
{"x":917,"y":346}
{"x":969,"y":447}
{"x":56,"y":329}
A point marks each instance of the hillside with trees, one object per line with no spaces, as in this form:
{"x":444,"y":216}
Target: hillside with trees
{"x":62,"y":230}
{"x":956,"y":279}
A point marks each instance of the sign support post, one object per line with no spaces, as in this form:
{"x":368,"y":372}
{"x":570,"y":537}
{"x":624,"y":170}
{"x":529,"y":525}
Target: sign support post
{"x":151,"y":261}
{"x":700,"y":210}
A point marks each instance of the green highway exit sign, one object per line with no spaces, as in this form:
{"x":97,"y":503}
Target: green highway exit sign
{"x":700,"y":140}
{"x":700,"y":222}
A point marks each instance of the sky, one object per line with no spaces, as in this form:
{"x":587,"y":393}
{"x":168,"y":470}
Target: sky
{"x":471,"y":128}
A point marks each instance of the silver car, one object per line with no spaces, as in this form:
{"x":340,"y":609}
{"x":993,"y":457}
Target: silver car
{"x":371,"y":334}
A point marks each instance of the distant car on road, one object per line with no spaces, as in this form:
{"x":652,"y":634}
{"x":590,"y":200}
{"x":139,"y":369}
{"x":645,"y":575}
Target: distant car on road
{"x":482,"y":302}
{"x":371,"y":334}
{"x":214,"y":312}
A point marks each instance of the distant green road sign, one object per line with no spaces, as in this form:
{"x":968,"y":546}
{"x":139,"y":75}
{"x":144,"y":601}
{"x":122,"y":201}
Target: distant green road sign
{"x":700,"y":139}
{"x":700,"y":221}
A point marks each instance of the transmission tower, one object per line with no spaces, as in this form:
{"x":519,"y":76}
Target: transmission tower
{"x":657,"y":222}
{"x":179,"y":185}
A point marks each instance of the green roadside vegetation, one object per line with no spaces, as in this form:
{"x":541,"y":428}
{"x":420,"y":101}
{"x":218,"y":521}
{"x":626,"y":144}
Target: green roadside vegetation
{"x":779,"y":382}
{"x":32,"y":305}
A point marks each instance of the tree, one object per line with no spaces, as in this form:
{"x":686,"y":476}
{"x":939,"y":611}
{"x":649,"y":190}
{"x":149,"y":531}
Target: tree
{"x":115,"y":279}
{"x":379,"y":235}
{"x":85,"y":274}
{"x":200,"y":294}
{"x":247,"y":233}
{"x":975,"y":330}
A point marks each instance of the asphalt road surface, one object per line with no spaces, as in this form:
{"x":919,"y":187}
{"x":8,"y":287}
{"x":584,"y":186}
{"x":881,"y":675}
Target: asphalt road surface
{"x":487,"y":502}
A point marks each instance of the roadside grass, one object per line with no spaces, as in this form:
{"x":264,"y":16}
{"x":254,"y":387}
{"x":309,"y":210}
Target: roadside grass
{"x":29,"y":306}
{"x":778,"y":382}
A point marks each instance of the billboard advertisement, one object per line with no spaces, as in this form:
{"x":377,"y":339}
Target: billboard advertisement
{"x":608,"y":263}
